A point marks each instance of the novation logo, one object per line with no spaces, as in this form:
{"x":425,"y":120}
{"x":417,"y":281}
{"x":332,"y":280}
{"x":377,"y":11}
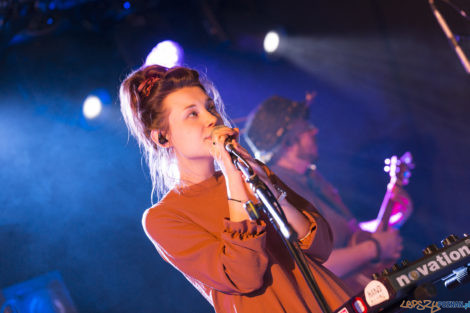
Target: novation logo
{"x":440,"y":261}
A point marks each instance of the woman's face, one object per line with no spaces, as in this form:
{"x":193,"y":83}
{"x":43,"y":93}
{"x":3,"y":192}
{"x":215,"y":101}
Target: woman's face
{"x":191,"y":116}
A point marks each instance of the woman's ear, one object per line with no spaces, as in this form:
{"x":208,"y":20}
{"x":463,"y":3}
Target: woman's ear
{"x":159,"y":138}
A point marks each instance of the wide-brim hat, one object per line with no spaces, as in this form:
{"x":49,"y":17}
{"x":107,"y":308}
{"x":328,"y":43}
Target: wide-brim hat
{"x":271,"y":123}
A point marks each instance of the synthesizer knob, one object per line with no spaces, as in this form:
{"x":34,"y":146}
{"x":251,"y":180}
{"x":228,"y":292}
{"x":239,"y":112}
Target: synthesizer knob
{"x":375,"y":276}
{"x":449,"y":240}
{"x":385,"y":272}
{"x":430,"y":249}
{"x":404,"y":263}
{"x":395,"y":267}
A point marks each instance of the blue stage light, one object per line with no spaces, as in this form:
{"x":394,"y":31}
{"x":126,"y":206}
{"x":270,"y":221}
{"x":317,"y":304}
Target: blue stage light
{"x":92,"y":107}
{"x":167,"y":53}
{"x":271,"y":42}
{"x":126,"y":5}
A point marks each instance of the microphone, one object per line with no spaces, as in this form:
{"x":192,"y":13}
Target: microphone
{"x":227,"y":140}
{"x":236,"y":156}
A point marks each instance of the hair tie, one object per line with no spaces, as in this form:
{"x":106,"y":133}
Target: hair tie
{"x":146,"y":85}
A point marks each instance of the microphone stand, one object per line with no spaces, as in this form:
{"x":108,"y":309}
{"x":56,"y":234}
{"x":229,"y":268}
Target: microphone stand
{"x":450,"y":36}
{"x":273,"y":210}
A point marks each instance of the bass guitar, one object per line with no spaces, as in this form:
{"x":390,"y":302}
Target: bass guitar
{"x":399,"y":170}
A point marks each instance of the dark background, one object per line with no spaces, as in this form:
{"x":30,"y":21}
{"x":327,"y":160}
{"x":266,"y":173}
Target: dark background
{"x":73,"y":191}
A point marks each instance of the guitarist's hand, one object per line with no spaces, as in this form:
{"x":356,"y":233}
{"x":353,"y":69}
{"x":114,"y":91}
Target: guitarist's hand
{"x":391,"y":244}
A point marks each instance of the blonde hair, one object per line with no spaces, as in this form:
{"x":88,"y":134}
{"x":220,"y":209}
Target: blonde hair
{"x":141,"y":96}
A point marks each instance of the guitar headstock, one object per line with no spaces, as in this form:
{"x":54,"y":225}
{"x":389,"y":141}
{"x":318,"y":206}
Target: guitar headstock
{"x":399,"y":169}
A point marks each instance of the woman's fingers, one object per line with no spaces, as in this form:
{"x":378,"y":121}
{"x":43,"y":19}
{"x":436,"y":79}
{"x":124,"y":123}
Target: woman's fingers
{"x":221,"y":156}
{"x":219,"y":137}
{"x":221,"y":133}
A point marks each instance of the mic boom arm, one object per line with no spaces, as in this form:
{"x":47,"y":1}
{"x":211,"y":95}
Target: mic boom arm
{"x":450,"y":36}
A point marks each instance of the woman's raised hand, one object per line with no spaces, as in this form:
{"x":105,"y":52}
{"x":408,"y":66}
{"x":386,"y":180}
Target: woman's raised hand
{"x":224,"y":160}
{"x":218,"y":152}
{"x":236,"y":188}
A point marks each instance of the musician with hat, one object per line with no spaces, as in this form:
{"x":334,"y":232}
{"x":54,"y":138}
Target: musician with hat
{"x":279,"y":134}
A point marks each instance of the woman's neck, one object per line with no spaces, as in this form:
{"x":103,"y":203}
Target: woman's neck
{"x":195,"y":171}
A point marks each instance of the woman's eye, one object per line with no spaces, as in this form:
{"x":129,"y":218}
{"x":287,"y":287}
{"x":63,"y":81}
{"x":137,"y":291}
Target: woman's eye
{"x":193,"y":113}
{"x":212,"y":108}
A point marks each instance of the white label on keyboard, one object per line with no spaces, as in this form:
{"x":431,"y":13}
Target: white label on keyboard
{"x":376,"y":293}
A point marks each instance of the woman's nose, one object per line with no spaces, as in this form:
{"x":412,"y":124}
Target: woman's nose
{"x":212,"y":119}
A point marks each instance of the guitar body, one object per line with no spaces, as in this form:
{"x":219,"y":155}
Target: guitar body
{"x":399,"y":171}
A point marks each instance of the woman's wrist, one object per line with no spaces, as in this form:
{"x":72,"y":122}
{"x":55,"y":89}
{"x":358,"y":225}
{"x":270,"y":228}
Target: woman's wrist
{"x":236,"y":187}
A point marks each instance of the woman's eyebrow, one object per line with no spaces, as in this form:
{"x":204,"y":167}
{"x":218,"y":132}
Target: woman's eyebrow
{"x":189,"y":107}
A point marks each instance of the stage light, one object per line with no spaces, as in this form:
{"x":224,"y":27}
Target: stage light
{"x":271,"y":42}
{"x":167,"y":53}
{"x":92,"y":107}
{"x":126,"y":5}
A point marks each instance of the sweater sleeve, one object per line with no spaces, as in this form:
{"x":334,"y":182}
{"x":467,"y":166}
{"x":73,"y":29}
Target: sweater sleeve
{"x":318,"y":244}
{"x":235,"y":263}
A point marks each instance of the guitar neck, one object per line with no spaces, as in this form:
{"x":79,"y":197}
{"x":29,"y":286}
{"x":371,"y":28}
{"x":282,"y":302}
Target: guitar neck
{"x":399,"y":171}
{"x":385,"y":211}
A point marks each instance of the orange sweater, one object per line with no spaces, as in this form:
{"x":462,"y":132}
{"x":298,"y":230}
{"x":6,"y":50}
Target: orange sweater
{"x":240,"y":266}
